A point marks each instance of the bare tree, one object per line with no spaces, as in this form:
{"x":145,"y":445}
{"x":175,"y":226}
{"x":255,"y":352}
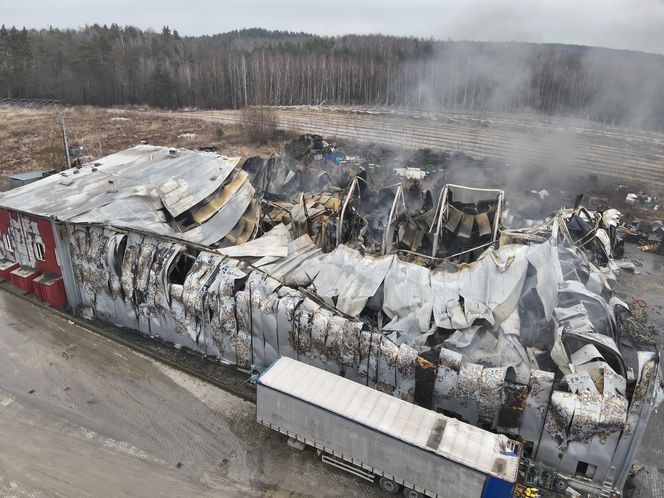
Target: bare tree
{"x":259,"y":122}
{"x":113,"y":65}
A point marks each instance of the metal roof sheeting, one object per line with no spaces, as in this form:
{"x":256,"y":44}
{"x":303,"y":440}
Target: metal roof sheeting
{"x":460,"y":442}
{"x":138,"y":188}
{"x":179,"y":193}
{"x":30,"y":175}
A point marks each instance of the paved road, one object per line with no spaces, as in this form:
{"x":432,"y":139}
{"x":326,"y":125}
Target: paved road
{"x":81,"y":416}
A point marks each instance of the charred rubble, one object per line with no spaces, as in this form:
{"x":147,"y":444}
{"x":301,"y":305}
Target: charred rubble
{"x":413,"y":287}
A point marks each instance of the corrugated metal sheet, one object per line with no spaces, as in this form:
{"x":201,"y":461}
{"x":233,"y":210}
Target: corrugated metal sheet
{"x":137,"y":188}
{"x":181,"y":192}
{"x":273,"y":244}
{"x":460,"y":442}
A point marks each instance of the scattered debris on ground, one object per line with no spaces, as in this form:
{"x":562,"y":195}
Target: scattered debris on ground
{"x":636,"y":325}
{"x":493,"y":308}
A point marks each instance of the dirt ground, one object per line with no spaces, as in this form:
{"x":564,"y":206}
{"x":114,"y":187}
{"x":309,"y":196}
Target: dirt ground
{"x":32,"y":139}
{"x":647,"y":285}
{"x":82,"y":416}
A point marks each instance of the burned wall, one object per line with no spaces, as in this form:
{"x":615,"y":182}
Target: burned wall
{"x":514,"y":357}
{"x":511,"y":334}
{"x":225,"y":309}
{"x":29,"y":241}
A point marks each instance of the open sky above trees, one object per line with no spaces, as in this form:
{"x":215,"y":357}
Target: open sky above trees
{"x":626,"y":24}
{"x":623,"y":24}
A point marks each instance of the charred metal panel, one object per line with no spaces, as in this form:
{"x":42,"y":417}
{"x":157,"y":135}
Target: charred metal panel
{"x":157,"y":309}
{"x":554,"y":439}
{"x":581,"y":383}
{"x":242,"y":340}
{"x":387,"y":363}
{"x":449,"y":364}
{"x":407,"y":361}
{"x":491,"y":395}
{"x":643,"y":402}
{"x":89,"y":249}
{"x":510,"y":417}
{"x":228,"y":328}
{"x":368,"y":356}
{"x":182,"y":333}
{"x":334,"y":344}
{"x":458,"y":386}
{"x":194,"y":291}
{"x":540,"y":386}
{"x":285,"y":312}
{"x":582,"y":428}
{"x":265,"y":344}
{"x":468,"y":391}
{"x":350,"y":350}
{"x":318,"y":351}
{"x":301,"y":327}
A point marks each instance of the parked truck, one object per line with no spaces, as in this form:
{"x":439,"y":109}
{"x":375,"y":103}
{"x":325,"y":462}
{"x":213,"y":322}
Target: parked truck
{"x":379,"y":437}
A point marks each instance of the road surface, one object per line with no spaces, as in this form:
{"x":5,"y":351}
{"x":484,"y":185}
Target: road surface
{"x":81,"y":416}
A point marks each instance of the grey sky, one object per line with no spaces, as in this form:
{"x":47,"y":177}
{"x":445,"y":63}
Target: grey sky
{"x":629,"y":24}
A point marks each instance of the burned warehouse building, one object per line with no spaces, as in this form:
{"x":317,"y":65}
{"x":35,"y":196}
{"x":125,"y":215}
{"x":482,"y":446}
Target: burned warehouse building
{"x":426,"y":294}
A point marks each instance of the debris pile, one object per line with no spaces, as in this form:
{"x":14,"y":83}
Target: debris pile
{"x":636,"y":325}
{"x":643,"y":201}
{"x":430,"y":160}
{"x":415,"y":287}
{"x":648,"y":234}
{"x":307,"y":148}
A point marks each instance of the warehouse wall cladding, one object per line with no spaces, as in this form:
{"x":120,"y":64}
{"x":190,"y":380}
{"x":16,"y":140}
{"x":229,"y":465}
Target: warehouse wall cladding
{"x":421,"y":294}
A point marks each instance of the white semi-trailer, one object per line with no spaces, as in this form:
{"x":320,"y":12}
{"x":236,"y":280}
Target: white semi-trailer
{"x":377,"y":436}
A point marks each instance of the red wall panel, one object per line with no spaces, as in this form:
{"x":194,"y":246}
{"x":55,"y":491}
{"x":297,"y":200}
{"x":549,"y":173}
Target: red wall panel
{"x":4,"y":221}
{"x":50,"y":263}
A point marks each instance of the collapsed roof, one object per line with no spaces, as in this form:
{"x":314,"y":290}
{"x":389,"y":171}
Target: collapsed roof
{"x":197,"y":197}
{"x":515,"y":329}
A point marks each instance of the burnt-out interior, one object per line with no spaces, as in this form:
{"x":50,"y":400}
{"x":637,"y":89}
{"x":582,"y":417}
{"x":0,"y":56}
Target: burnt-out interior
{"x":469,"y":226}
{"x":406,"y":284}
{"x":181,"y":266}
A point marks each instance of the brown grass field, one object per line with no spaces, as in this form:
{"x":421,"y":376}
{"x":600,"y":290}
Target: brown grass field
{"x":32,"y":139}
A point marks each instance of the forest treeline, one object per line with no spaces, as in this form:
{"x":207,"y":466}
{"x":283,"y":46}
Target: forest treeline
{"x":113,"y":65}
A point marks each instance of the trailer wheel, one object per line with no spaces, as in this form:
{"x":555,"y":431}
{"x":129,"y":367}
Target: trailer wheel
{"x":388,"y":485}
{"x":411,"y":493}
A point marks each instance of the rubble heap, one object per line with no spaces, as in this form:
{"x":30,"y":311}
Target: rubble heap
{"x":413,"y":288}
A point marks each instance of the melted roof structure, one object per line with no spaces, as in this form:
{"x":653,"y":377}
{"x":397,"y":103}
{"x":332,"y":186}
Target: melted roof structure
{"x":145,"y":188}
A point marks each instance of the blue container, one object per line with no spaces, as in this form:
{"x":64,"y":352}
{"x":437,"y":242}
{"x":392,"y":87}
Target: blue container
{"x":497,"y":488}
